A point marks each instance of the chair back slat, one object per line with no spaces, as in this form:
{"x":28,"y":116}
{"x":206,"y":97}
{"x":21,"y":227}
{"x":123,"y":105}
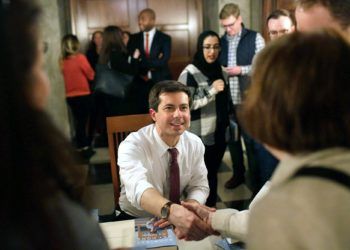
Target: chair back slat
{"x":118,"y":128}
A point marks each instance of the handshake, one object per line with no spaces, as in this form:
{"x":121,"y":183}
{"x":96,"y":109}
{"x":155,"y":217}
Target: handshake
{"x":192,"y":221}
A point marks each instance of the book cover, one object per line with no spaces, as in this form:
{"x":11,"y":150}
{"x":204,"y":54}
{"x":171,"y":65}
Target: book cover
{"x":156,"y":238}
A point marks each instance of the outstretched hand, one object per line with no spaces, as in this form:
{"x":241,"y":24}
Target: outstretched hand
{"x":203,"y":212}
{"x":188,"y":225}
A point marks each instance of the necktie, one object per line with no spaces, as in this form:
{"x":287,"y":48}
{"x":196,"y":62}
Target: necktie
{"x":147,"y":45}
{"x":174,"y":194}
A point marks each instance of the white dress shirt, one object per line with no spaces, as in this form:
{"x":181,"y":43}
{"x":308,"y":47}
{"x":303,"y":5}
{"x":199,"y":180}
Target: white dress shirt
{"x":151,"y":34}
{"x":143,"y":159}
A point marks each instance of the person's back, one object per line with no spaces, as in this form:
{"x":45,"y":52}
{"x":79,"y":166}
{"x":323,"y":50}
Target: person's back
{"x":304,"y":212}
{"x":308,"y":204}
{"x":77,"y":75}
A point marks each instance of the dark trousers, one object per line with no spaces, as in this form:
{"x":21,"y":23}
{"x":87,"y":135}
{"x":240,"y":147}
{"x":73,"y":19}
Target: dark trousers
{"x":80,"y":107}
{"x":261,"y":163}
{"x":212,"y":157}
{"x":237,"y":154}
{"x":266,"y":164}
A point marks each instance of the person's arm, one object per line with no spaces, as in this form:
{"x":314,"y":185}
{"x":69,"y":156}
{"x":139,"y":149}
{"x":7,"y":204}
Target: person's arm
{"x":187,"y":225}
{"x":201,"y":96}
{"x":233,"y":223}
{"x":198,"y":188}
{"x":228,"y":222}
{"x":122,"y":63}
{"x":86,"y":67}
{"x":164,"y":49}
{"x":259,"y":45}
{"x":133,"y":173}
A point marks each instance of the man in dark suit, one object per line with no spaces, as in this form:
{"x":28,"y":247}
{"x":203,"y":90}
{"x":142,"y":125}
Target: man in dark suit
{"x":155,"y":48}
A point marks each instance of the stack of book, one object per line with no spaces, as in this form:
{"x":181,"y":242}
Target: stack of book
{"x":147,"y":236}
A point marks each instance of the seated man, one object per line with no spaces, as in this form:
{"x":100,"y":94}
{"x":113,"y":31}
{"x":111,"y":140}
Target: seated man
{"x":152,"y":177}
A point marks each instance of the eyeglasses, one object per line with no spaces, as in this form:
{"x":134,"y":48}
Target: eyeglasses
{"x":230,"y":25}
{"x":278,"y":32}
{"x":209,"y":47}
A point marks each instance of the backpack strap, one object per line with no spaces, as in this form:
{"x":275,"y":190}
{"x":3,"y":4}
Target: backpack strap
{"x":325,"y":173}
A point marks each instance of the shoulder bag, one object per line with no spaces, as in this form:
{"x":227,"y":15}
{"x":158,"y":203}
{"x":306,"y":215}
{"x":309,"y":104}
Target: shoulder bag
{"x":110,"y":81}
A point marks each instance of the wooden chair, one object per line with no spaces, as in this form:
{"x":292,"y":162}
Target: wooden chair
{"x":118,"y":128}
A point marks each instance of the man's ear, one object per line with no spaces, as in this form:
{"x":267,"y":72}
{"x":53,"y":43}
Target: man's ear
{"x":153,"y":113}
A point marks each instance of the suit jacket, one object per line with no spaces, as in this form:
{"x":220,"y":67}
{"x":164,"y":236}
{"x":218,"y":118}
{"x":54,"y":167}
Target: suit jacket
{"x":160,"y":51}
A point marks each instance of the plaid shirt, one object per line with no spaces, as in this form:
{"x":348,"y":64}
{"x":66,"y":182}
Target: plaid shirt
{"x":232,"y":61}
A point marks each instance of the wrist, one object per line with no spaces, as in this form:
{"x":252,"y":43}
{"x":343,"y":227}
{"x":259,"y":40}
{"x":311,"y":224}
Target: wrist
{"x":165,"y":210}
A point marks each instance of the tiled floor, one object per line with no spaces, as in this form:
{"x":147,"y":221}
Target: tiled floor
{"x":102,"y":188}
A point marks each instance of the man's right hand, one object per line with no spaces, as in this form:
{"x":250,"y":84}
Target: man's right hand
{"x":188,"y":226}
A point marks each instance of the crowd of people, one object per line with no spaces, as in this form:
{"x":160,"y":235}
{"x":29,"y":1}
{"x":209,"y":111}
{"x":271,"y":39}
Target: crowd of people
{"x":287,"y":103}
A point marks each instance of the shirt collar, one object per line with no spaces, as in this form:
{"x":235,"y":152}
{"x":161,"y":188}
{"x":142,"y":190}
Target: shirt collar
{"x":161,"y":147}
{"x":230,"y":38}
{"x":151,"y":32}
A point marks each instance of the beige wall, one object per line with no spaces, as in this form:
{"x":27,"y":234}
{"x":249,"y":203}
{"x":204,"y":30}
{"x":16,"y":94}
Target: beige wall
{"x":51,"y":33}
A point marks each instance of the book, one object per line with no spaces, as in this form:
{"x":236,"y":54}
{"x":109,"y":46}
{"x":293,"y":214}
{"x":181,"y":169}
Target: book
{"x":227,"y":244}
{"x":147,"y":236}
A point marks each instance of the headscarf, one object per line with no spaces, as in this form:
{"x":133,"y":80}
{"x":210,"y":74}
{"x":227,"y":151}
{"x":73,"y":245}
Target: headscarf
{"x":211,"y":70}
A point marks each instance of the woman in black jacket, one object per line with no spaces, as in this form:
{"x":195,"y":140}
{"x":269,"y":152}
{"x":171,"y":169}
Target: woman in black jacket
{"x":115,"y":54}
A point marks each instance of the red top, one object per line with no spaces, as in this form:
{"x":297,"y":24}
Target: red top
{"x":77,"y":72}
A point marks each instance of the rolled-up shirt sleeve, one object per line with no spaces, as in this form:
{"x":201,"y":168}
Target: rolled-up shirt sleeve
{"x":133,"y":174}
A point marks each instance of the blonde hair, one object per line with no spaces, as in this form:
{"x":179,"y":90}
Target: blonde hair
{"x":70,"y":45}
{"x":228,"y":10}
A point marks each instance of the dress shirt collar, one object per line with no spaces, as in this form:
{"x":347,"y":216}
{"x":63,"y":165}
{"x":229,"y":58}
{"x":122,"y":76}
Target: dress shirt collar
{"x":150,"y":33}
{"x":161,"y":147}
{"x":231,"y":38}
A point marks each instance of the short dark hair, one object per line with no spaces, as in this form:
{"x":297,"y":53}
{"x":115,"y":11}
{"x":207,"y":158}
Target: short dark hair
{"x":339,"y":9}
{"x":168,"y":86}
{"x":304,"y":108}
{"x":149,"y":12}
{"x":278,"y":13}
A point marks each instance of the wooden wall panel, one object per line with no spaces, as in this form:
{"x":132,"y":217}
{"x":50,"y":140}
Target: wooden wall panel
{"x":178,"y":8}
{"x":180,"y":43}
{"x":104,"y":12}
{"x":181,"y":19}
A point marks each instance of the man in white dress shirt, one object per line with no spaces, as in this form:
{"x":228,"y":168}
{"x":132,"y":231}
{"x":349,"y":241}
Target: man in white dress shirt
{"x":144,"y":159}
